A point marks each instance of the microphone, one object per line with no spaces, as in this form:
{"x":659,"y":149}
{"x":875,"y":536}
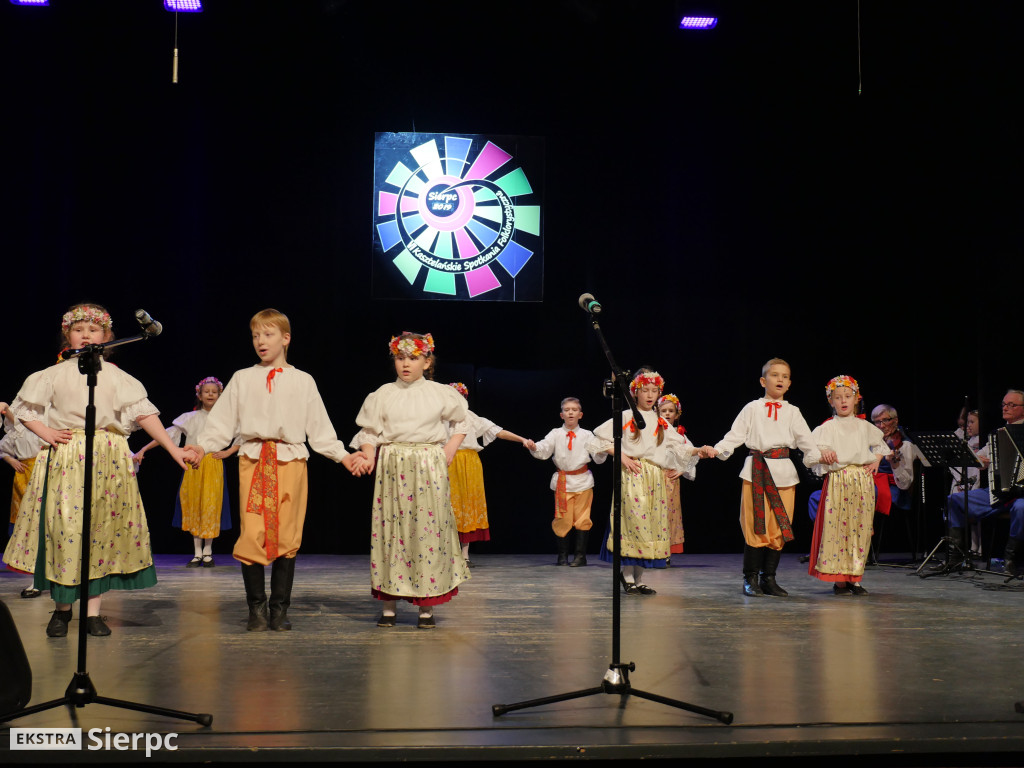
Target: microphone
{"x":589,"y":304}
{"x":150,"y":327}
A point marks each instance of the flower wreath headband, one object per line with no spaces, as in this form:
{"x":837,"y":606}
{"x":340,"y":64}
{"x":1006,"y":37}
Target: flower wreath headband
{"x":88,"y":314}
{"x":645,"y":378}
{"x":670,"y":398}
{"x":209,"y":380}
{"x":842,"y":381}
{"x":410,"y":347}
{"x":461,"y":388}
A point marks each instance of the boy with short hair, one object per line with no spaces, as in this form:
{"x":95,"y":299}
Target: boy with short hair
{"x":573,"y":483}
{"x":769,"y":427}
{"x":275,"y":408}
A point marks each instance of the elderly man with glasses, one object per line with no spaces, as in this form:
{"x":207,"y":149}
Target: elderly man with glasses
{"x":979,"y":504}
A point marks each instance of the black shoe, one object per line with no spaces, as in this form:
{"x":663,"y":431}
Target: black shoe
{"x":629,"y":589}
{"x":751,"y":587}
{"x":581,"y":549}
{"x":769,"y":566}
{"x":30,"y":592}
{"x":563,"y":550}
{"x":97,"y":627}
{"x":425,"y":622}
{"x":58,"y":626}
{"x":386,"y":621}
{"x":857,"y":589}
{"x":195,"y":562}
{"x":208,"y":561}
{"x":282,"y":573}
{"x":842,"y":588}
{"x":256,"y":597}
{"x":771,"y":587}
{"x":643,"y":589}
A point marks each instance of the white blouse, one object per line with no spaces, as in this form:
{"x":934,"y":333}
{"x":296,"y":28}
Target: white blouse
{"x":673,"y":453}
{"x":191,"y":424}
{"x":19,"y":442}
{"x":556,"y":445}
{"x":59,"y":395}
{"x":290,"y":414}
{"x":856,"y":442}
{"x":761,"y":428}
{"x":480,"y":433}
{"x":410,"y":412}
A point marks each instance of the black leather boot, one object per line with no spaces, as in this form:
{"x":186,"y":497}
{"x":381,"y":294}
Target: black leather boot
{"x":1013,"y":546}
{"x":255,"y":596}
{"x":581,"y":549}
{"x":768,"y":568}
{"x":282,"y":572}
{"x":753,"y":557}
{"x":563,"y":550}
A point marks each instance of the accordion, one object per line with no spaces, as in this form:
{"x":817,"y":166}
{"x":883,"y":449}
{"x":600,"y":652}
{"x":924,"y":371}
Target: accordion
{"x":1006,"y":469}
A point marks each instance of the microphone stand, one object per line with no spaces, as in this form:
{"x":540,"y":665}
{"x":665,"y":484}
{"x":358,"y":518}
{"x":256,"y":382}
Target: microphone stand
{"x":81,"y":690}
{"x":616,"y":679}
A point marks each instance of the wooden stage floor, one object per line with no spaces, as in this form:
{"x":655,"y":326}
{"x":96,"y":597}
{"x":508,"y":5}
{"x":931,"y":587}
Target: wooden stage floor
{"x":921,"y":671}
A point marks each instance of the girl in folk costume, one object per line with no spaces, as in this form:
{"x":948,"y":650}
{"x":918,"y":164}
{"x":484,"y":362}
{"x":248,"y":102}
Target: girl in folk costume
{"x":202,"y":507}
{"x":670,"y":410}
{"x":46,"y":540}
{"x":466,"y":476}
{"x":646,"y":454}
{"x":851,"y":449}
{"x":19,"y":448}
{"x":405,"y":434}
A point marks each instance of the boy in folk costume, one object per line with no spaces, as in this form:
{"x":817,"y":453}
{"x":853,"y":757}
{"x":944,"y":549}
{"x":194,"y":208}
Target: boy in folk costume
{"x":769,"y":427}
{"x":573,"y":483}
{"x":275,"y":408}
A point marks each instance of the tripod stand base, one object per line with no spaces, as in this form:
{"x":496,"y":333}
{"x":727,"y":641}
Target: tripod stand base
{"x":81,"y":691}
{"x":616,"y":681}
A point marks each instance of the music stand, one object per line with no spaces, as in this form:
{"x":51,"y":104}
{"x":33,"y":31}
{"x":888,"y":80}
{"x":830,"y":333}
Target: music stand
{"x":80,"y":690}
{"x":616,"y":679}
{"x":947,"y":450}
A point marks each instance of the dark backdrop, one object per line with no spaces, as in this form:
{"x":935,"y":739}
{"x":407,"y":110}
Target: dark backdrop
{"x":728,"y":197}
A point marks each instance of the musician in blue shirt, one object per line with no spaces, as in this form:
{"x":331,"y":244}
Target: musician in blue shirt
{"x":980,"y":504}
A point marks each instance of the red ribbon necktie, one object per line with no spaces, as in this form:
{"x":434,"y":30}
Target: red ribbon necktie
{"x":773,"y":409}
{"x":630,"y":425}
{"x":571,"y":436}
{"x":270,"y":378}
{"x":681,"y":429}
{"x":662,"y":423}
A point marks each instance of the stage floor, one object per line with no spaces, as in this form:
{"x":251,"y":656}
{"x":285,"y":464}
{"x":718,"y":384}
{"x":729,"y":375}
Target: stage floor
{"x":921,"y":669}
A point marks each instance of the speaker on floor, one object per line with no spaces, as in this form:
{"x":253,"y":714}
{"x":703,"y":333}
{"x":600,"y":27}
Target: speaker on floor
{"x":16,"y":678}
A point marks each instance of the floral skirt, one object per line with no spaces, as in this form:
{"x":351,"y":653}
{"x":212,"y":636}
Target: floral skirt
{"x":842,"y":528}
{"x":47,"y":534}
{"x":414,"y":545}
{"x":21,"y":480}
{"x":644,"y":529}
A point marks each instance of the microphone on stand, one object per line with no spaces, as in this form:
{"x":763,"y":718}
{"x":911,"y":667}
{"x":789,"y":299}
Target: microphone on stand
{"x":589,"y":304}
{"x":149,"y":326}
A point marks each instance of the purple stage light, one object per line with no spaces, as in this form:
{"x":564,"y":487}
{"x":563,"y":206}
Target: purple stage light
{"x":30,"y":2}
{"x":184,"y":6}
{"x":698,"y":22}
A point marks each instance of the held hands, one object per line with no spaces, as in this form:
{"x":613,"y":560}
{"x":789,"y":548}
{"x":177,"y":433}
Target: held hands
{"x":355,"y":463}
{"x":828,"y":456}
{"x":707,"y":452}
{"x":529,"y":444}
{"x":193,"y":454}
